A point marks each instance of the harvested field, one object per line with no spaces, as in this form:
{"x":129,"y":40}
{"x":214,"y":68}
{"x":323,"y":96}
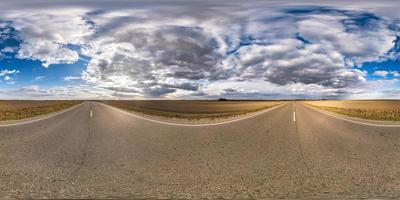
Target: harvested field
{"x":20,"y":109}
{"x":192,"y":110}
{"x":366,"y":109}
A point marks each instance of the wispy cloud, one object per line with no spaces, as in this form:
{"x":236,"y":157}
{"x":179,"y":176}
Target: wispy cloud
{"x":9,"y":75}
{"x":6,"y":72}
{"x":381,"y":73}
{"x":71,"y":78}
{"x":38,"y":78}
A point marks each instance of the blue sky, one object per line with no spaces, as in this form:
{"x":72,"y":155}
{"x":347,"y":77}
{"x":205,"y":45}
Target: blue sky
{"x":199,"y":50}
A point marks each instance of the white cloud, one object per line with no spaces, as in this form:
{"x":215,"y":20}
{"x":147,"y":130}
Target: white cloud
{"x":64,"y":92}
{"x":48,"y":53}
{"x":8,"y":49}
{"x":37,"y":78}
{"x":9,"y":75}
{"x":46,"y":34}
{"x":381,"y":73}
{"x":334,"y":46}
{"x":340,"y":34}
{"x":7,"y":78}
{"x":161,"y":60}
{"x":71,"y":78}
{"x":6,"y":72}
{"x":395,"y":73}
{"x":172,"y":51}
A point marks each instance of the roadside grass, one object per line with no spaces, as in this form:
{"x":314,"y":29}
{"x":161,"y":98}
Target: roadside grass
{"x":30,"y":110}
{"x":372,"y":114}
{"x":191,"y":110}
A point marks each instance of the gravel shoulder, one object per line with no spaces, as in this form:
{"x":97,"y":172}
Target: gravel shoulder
{"x":373,"y":111}
{"x":40,"y":114}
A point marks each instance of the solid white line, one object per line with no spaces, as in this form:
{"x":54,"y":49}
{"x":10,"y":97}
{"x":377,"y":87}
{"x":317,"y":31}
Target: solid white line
{"x":294,"y":116}
{"x":356,"y":122}
{"x":40,"y":119}
{"x":91,"y":113}
{"x":194,"y":125}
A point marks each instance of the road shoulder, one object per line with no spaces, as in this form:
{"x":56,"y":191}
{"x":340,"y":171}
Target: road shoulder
{"x":37,"y":118}
{"x":354,"y":119}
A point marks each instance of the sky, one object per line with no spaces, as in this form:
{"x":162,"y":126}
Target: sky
{"x":160,"y":49}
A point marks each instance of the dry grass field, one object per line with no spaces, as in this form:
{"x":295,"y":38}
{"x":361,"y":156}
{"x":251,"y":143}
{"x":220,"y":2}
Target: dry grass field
{"x":193,"y":110}
{"x":366,"y":109}
{"x":21,"y":109}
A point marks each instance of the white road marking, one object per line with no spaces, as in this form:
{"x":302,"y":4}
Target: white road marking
{"x":357,"y":122}
{"x":91,"y":113}
{"x":194,"y":125}
{"x":294,"y":116}
{"x":40,"y":119}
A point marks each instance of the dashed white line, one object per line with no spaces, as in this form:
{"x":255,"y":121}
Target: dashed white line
{"x":91,"y":113}
{"x":294,"y":116}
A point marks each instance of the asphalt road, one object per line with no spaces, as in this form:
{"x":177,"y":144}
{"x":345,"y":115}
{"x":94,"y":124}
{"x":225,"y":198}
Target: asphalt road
{"x":293,"y":151}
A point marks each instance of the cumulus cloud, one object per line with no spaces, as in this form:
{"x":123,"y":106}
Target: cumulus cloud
{"x":48,"y":53}
{"x":157,"y":50}
{"x":321,"y":49}
{"x":155,"y":61}
{"x":357,"y":36}
{"x":292,"y":62}
{"x":7,"y":78}
{"x":46,"y":36}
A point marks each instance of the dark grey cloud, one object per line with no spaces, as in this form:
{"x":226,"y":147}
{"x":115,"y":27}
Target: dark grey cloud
{"x":158,"y":91}
{"x":231,"y":93}
{"x":155,"y":61}
{"x":392,"y":92}
{"x":183,"y":86}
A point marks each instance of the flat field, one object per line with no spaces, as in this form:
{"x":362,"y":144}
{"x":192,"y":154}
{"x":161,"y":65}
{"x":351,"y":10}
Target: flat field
{"x":21,"y":109}
{"x":192,"y":110}
{"x":366,"y":109}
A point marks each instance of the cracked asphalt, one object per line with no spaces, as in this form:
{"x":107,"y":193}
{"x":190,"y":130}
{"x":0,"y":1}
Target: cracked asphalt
{"x":272,"y":155}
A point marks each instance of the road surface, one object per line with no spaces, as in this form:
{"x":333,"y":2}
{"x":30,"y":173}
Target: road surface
{"x":293,"y":151}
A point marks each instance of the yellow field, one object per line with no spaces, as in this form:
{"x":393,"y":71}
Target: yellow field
{"x":15,"y":110}
{"x":186,"y":109}
{"x":366,"y":109}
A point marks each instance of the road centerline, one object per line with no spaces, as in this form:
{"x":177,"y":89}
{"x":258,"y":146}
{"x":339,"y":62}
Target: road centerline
{"x":294,"y":116}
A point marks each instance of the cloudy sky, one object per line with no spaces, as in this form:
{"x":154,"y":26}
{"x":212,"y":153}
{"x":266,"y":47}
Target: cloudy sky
{"x":199,"y":49}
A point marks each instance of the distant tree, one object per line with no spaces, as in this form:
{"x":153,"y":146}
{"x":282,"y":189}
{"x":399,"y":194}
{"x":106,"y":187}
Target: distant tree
{"x":222,"y":99}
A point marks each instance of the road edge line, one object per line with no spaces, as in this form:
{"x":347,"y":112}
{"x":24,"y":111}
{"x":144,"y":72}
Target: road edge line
{"x":43,"y":118}
{"x":194,"y":125}
{"x":356,"y":122}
